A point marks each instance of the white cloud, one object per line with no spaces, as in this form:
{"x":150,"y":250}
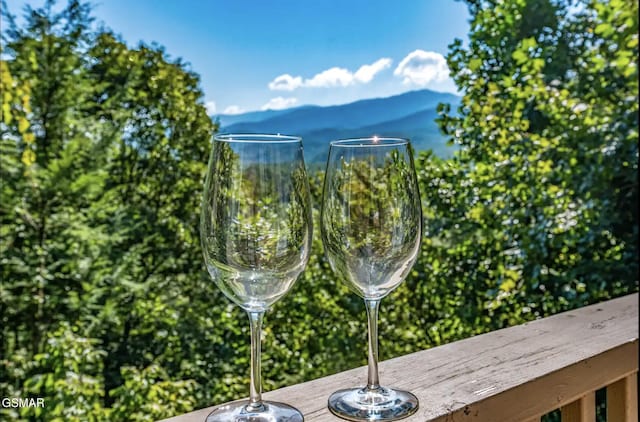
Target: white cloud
{"x":285,"y":82}
{"x":336,"y":76}
{"x":422,"y":67}
{"x":366,"y":72}
{"x":332,"y":77}
{"x":233,"y":109}
{"x":279,"y":103}
{"x":211,"y":107}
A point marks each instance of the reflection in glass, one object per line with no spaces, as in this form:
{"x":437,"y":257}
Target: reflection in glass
{"x":371,"y":230}
{"x":255,"y":232}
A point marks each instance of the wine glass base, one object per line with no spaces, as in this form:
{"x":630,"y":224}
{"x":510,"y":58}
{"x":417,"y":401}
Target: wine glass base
{"x":381,"y":404}
{"x":269,"y":412}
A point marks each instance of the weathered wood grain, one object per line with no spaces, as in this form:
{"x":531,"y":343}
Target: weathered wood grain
{"x":622,"y":400}
{"x":509,"y":375}
{"x":581,"y":410}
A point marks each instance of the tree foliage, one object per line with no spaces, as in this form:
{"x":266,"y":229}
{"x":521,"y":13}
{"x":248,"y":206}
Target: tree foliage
{"x":106,"y":309}
{"x":548,"y":130}
{"x":107,"y":149}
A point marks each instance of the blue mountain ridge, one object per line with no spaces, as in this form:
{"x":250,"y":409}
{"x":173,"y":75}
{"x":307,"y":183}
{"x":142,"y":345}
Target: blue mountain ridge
{"x":410,"y":115}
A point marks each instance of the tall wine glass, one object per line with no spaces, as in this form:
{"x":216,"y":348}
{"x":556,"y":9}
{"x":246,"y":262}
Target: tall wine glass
{"x":371,"y":230}
{"x":255,"y":230}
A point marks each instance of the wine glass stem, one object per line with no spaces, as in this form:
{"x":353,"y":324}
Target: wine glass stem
{"x":255,"y":389}
{"x":373,"y":383}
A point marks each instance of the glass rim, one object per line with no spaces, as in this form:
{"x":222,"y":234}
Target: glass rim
{"x":371,"y":141}
{"x":262,"y":138}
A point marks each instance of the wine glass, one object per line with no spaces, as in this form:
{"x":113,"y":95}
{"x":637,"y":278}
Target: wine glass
{"x":255,"y":230}
{"x":371,"y":229}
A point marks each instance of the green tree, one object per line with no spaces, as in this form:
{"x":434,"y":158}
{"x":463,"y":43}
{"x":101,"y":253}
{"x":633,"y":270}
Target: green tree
{"x":544,"y":189}
{"x":48,"y":192}
{"x":106,"y":149}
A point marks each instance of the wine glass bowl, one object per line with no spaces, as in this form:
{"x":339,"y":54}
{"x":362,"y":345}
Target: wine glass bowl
{"x":371,"y":224}
{"x":255,"y":231}
{"x":255,"y":225}
{"x":371,"y":218}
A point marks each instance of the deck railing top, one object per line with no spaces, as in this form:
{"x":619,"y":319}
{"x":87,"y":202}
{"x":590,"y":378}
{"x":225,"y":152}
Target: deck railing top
{"x":518,"y":373}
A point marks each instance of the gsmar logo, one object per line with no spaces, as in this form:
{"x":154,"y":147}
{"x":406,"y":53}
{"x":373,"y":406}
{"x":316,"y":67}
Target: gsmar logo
{"x":22,"y":402}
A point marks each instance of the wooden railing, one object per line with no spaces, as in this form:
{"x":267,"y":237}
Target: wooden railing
{"x":516,"y":374}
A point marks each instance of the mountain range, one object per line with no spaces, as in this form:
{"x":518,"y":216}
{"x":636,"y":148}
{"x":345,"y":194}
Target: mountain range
{"x":410,"y":115}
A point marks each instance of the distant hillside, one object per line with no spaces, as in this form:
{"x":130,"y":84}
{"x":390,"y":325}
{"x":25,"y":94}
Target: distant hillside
{"x":254,"y":116}
{"x":410,"y":115}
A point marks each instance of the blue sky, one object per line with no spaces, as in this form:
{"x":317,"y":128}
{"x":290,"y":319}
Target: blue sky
{"x":260,"y":54}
